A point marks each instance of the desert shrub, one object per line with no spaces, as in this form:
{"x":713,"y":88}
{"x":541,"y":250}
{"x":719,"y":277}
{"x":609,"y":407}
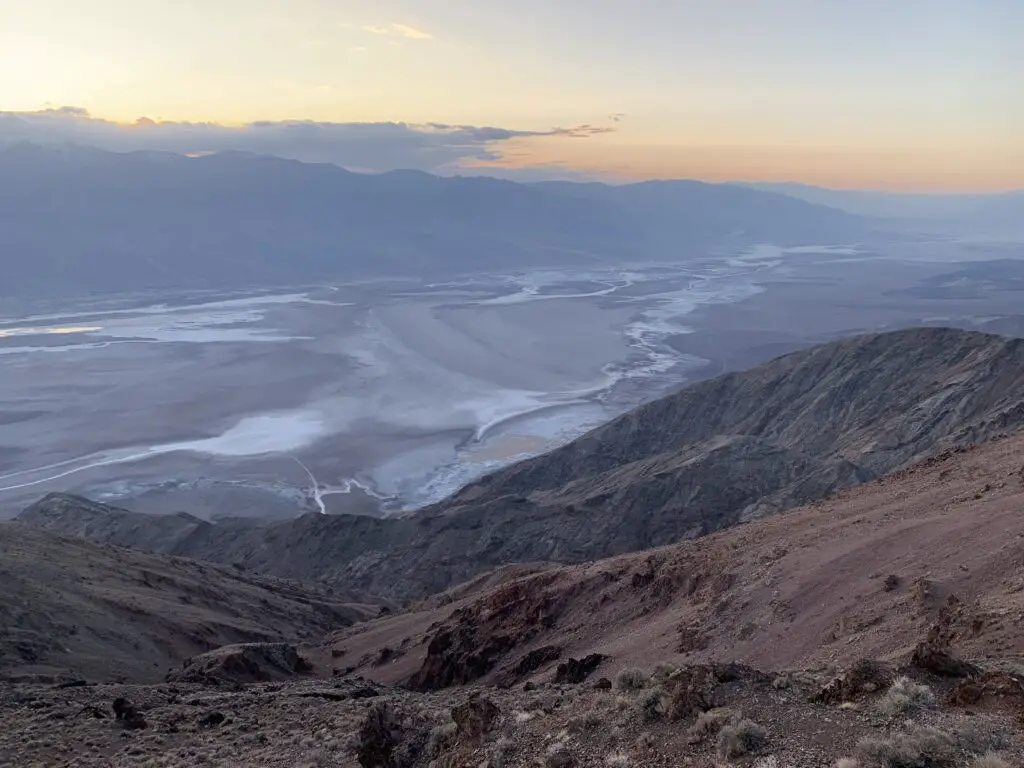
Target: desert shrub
{"x":558,"y":756}
{"x":646,"y":740}
{"x":631,"y":679}
{"x":546,"y":702}
{"x":978,"y":739}
{"x":589,"y":721}
{"x":653,"y":705}
{"x":990,"y":761}
{"x":741,"y":738}
{"x":502,"y":752}
{"x":441,"y":737}
{"x":904,"y":695}
{"x":921,"y":748}
{"x":709,"y":723}
{"x":662,"y":672}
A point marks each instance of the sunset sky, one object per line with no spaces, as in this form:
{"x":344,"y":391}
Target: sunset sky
{"x":896,"y":94}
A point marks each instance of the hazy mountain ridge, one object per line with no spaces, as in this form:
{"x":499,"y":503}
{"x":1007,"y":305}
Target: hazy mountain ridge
{"x":714,"y":454}
{"x":76,"y":220}
{"x":994,"y":213}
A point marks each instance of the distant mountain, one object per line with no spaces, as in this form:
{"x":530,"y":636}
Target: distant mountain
{"x":996,"y":214}
{"x":715,"y":454}
{"x":75,"y":220}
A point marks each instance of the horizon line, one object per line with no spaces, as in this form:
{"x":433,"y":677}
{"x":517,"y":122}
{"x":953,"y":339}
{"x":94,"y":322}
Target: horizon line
{"x":604,"y":179}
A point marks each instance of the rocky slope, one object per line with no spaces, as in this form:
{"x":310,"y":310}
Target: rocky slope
{"x":70,"y":607}
{"x":721,"y":452}
{"x":879,"y":628}
{"x":701,"y":717}
{"x":866,"y":573}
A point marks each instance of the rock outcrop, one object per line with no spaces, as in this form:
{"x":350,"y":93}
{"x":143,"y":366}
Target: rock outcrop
{"x":241,"y":664}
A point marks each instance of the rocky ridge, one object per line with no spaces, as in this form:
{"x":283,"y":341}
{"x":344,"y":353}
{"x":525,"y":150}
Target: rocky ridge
{"x":721,"y":452}
{"x":875,"y":628}
{"x":76,"y":609}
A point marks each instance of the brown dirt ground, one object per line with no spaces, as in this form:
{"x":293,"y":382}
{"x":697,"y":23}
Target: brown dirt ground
{"x":803,"y":589}
{"x":316,"y":724}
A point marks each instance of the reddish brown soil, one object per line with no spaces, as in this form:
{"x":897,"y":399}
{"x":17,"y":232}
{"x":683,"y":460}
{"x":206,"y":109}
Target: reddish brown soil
{"x":863,"y":574}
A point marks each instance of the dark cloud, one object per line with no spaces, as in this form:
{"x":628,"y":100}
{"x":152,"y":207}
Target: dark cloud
{"x":435,"y":147}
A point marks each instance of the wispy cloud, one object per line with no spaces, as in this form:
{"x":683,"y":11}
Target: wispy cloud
{"x":434,"y":147}
{"x":392,"y":30}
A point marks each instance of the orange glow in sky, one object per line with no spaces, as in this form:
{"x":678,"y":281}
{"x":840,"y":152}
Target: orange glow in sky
{"x":920,"y":94}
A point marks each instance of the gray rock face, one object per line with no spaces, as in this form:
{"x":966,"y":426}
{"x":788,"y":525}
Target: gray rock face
{"x":710,"y":456}
{"x":240,"y":664}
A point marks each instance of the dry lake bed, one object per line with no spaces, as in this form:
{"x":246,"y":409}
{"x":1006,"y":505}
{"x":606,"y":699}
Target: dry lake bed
{"x":382,"y":396}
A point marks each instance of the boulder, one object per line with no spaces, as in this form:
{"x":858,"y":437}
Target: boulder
{"x":578,"y":670}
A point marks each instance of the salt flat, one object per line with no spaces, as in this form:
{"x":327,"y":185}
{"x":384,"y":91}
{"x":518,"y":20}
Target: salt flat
{"x":394,"y":394}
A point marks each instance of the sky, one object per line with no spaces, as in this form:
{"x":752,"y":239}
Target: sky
{"x":883,"y":94}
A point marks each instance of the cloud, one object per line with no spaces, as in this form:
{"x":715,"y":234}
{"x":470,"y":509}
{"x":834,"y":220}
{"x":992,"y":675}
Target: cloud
{"x":393,"y":30}
{"x":434,"y":147}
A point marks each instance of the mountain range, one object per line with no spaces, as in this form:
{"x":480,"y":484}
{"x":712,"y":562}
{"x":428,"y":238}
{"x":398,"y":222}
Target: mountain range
{"x":881,"y":623}
{"x":811,"y":563}
{"x":715,"y":454}
{"x":77,"y":220}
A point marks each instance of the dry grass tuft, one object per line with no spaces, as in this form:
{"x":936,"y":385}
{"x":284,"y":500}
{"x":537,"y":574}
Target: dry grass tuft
{"x":663,"y":671}
{"x":914,"y":749}
{"x":990,"y":761}
{"x":588,"y":721}
{"x":558,"y":755}
{"x":502,"y":752}
{"x":782,"y":682}
{"x":631,"y":679}
{"x":742,"y":738}
{"x":905,"y":696}
{"x":709,"y":723}
{"x":653,"y":705}
{"x":441,"y":738}
{"x":981,"y":739}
